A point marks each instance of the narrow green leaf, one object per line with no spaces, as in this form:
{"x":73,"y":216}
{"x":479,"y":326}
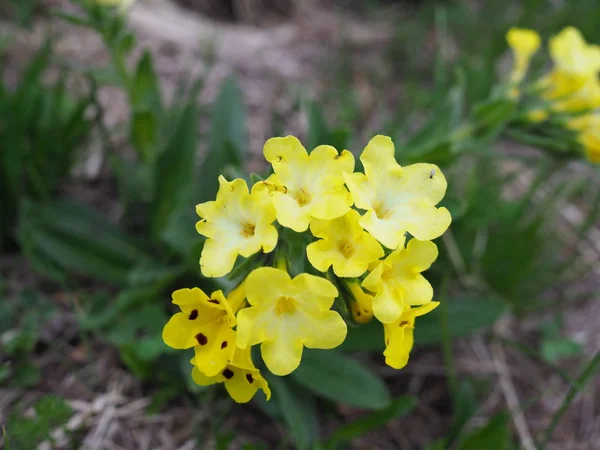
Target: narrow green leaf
{"x":298,"y":410}
{"x":398,"y":408}
{"x":174,"y":171}
{"x":465,"y":316}
{"x":227,"y":138}
{"x":144,"y":131}
{"x":341,"y":379}
{"x":493,"y":436}
{"x":145,"y":91}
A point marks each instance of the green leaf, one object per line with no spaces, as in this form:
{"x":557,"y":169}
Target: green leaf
{"x":227,"y":138}
{"x":145,"y":91}
{"x":494,"y":436}
{"x":466,"y":315}
{"x":465,"y":405}
{"x":341,"y":379}
{"x":298,"y":410}
{"x":77,"y":239}
{"x":319,"y":132}
{"x":144,"y":131}
{"x":398,"y":408}
{"x":174,"y":171}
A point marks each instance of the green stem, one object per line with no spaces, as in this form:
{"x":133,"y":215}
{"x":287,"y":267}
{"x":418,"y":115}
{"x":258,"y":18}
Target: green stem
{"x":586,"y":374}
{"x":447,"y":342}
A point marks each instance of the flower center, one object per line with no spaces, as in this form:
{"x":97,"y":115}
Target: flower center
{"x":303,"y":197}
{"x":381,"y":211}
{"x":248,"y":230}
{"x":388,"y":274}
{"x":285,"y":305}
{"x":346,"y":248}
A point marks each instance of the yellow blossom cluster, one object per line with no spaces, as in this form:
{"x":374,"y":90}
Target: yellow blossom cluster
{"x":354,"y":227}
{"x":571,"y":87}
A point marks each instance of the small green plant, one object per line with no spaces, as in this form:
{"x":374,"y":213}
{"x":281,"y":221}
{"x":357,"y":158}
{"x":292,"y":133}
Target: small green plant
{"x":42,"y":129}
{"x":25,"y":431}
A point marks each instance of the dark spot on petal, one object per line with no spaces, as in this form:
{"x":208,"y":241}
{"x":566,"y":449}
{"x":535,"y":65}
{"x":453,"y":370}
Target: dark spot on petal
{"x":358,"y":313}
{"x":279,"y":158}
{"x":216,"y":302}
{"x":202,"y":340}
{"x":193,"y":315}
{"x":228,"y":374}
{"x":249,"y":378}
{"x":403,"y":323}
{"x":223,"y":344}
{"x":387,"y":342}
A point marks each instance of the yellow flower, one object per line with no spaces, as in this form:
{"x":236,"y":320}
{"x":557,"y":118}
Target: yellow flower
{"x":241,"y":378}
{"x":523,"y":43}
{"x":399,"y":335}
{"x":573,"y":84}
{"x":344,"y":245}
{"x":285,"y":315}
{"x":588,"y":126}
{"x":572,"y":55}
{"x":362,"y":307}
{"x":309,"y":186}
{"x":398,"y":199}
{"x":397,"y":281}
{"x":205,"y":324}
{"x":236,"y":223}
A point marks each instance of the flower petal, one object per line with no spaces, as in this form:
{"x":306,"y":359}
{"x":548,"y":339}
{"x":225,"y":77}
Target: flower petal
{"x":388,"y":305}
{"x":283,"y":355}
{"x":315,"y":292}
{"x":385,"y":231}
{"x":401,"y":341}
{"x":378,"y":156}
{"x":202,"y":380}
{"x":326,"y":331}
{"x":180,"y":332}
{"x":216,"y":259}
{"x":265,"y":285}
{"x":212,"y":357}
{"x":290,"y":213}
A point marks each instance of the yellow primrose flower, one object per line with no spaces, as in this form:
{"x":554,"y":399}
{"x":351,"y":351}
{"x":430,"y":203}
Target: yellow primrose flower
{"x":398,"y":199}
{"x":572,"y":55}
{"x":344,"y":245}
{"x":362,"y":307}
{"x":397,"y":281}
{"x":573,"y":82}
{"x":205,"y":324}
{"x":309,"y":186}
{"x":236,"y":223}
{"x":588,"y":126}
{"x":241,"y":378}
{"x":285,"y":315}
{"x":523,"y":43}
{"x":399,"y":335}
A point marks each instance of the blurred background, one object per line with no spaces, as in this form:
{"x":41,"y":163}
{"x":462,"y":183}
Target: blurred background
{"x":116,"y":117}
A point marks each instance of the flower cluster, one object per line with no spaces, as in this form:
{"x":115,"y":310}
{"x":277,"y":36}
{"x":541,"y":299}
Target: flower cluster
{"x":354,"y":227}
{"x":571,"y":87}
